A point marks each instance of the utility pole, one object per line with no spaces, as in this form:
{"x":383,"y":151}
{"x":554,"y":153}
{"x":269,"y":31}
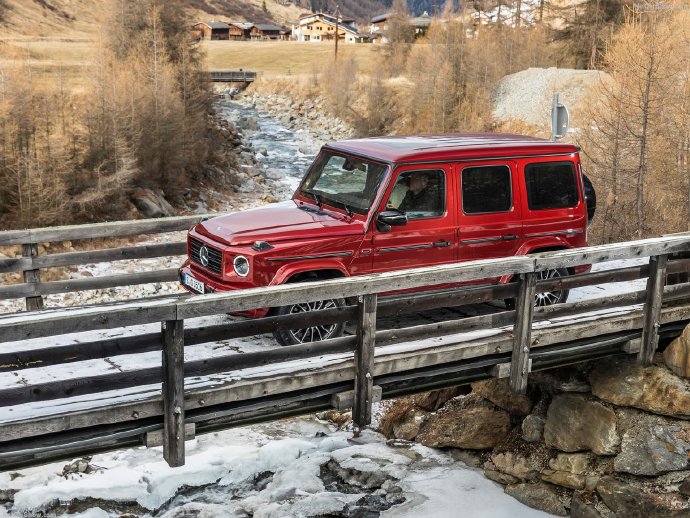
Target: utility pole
{"x":435,"y":8}
{"x":337,"y":29}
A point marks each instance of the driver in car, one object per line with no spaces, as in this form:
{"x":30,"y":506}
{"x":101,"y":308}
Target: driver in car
{"x":418,"y":197}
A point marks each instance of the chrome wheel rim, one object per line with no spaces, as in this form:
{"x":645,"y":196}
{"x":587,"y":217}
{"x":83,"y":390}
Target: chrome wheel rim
{"x":548,"y":298}
{"x":314,"y":333}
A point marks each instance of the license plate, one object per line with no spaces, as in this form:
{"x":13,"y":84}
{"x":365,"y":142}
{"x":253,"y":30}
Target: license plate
{"x":193,"y":283}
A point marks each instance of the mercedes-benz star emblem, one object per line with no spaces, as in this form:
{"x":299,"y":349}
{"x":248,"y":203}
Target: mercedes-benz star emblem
{"x":203,"y":255}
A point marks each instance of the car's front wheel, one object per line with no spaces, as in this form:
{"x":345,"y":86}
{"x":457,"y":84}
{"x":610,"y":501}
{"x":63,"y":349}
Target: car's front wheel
{"x":309,"y":334}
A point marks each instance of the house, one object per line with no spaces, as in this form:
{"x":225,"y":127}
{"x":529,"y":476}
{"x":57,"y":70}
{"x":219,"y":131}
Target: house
{"x":240,"y":30}
{"x":264,"y":31}
{"x":379,"y":25}
{"x":212,"y":30}
{"x":319,"y":27}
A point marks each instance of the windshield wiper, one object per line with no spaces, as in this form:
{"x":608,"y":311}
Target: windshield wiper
{"x":317,"y":198}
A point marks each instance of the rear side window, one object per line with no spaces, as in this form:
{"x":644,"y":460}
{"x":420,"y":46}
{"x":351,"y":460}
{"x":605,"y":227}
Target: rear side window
{"x":486,"y":189}
{"x":551,"y":185}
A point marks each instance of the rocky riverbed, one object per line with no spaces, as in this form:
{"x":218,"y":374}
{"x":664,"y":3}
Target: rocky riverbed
{"x":604,"y":439}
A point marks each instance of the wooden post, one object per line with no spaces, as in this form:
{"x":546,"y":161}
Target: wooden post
{"x":524,"y":309}
{"x":652,"y":308}
{"x":364,"y":360}
{"x":32,"y":277}
{"x":173,"y":392}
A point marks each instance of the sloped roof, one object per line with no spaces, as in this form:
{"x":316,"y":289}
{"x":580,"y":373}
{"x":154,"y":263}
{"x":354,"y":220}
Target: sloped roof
{"x":243,"y":25}
{"x":380,"y":18}
{"x":267,"y":27}
{"x":215,"y":25}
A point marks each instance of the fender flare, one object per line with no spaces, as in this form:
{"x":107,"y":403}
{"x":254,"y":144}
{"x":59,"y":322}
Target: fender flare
{"x":289,"y":270}
{"x":553,"y":242}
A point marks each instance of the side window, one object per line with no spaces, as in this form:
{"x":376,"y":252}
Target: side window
{"x":551,"y":185}
{"x":420,"y":194}
{"x":486,"y":189}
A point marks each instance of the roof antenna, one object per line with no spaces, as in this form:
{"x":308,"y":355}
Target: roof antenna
{"x":560,"y":119}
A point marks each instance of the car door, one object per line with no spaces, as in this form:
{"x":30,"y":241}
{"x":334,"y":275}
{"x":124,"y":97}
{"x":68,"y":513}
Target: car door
{"x":428,"y":238}
{"x":489,"y":212}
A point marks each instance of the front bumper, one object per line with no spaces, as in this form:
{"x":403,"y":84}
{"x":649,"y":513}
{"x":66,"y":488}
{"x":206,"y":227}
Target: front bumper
{"x":212,"y":285}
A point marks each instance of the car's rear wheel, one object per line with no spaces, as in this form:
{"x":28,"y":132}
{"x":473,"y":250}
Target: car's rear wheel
{"x":548,"y":298}
{"x":313,"y":333}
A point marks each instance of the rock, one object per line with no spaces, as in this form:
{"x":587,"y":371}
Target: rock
{"x":467,"y":457}
{"x":533,"y":428}
{"x":408,"y":426}
{"x":435,"y":399}
{"x":575,"y":424}
{"x":564,"y":479}
{"x":570,"y":462}
{"x":262,"y":151}
{"x":469,"y":428}
{"x":517,"y":465}
{"x":582,"y":507}
{"x":677,"y":355}
{"x":498,"y":392}
{"x":538,"y":496}
{"x":151,"y":204}
{"x":630,"y":502}
{"x":653,"y":446}
{"x":252,"y":124}
{"x":497,"y":476}
{"x":654,"y":389}
{"x":684,"y":488}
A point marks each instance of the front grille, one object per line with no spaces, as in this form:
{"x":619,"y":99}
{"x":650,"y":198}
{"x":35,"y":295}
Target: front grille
{"x":215,"y":257}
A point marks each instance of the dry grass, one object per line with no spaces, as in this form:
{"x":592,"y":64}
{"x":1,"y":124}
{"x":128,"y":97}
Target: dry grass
{"x":283,"y":57}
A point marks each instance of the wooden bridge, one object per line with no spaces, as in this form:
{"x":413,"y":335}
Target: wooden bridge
{"x":172,"y":399}
{"x":232,"y":76}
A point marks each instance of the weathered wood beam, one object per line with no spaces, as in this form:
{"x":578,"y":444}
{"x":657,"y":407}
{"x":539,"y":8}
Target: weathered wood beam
{"x":524,"y":309}
{"x":364,"y":361}
{"x":652,"y":308}
{"x":32,"y":278}
{"x":173,"y":392}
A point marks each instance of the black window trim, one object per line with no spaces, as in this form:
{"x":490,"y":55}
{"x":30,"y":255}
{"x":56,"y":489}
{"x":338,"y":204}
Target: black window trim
{"x":580,"y":193}
{"x":445,"y":191}
{"x":462,"y":196}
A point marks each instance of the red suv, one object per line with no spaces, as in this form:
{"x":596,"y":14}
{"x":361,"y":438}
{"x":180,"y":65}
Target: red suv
{"x":381,"y":204}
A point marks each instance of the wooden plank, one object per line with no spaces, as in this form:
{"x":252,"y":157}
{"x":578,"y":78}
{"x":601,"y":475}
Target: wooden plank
{"x":100,"y":230}
{"x":364,"y":361}
{"x":652,"y":308}
{"x":23,"y":326}
{"x":89,"y":283}
{"x":173,"y":392}
{"x":613,"y":251}
{"x":32,"y":277}
{"x":15,"y":264}
{"x":524,"y":309}
{"x":112,"y":254}
{"x":273,"y":296}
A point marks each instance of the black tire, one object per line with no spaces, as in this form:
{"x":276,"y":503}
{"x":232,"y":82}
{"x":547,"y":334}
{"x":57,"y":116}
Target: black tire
{"x":548,"y":298}
{"x":309,"y":334}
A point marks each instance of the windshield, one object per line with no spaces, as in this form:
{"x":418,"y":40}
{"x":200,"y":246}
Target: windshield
{"x":348,"y":182}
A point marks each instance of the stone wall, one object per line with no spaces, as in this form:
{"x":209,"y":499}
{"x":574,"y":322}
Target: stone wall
{"x":603,"y":439}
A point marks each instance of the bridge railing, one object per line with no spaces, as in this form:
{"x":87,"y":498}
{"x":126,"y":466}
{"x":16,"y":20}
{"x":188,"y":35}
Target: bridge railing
{"x":31,"y":263}
{"x":418,"y":351}
{"x":233,"y":76}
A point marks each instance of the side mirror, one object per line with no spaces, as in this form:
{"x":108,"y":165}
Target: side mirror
{"x":390,"y":218}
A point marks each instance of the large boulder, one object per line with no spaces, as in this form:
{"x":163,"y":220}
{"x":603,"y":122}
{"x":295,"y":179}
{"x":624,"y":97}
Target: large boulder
{"x":435,"y":399}
{"x":477,"y":428}
{"x":498,"y":392}
{"x":407,"y":427}
{"x":654,"y":389}
{"x":151,"y":204}
{"x":677,"y":355}
{"x":574,"y":423}
{"x":630,"y":502}
{"x":533,"y":428}
{"x":538,"y":496}
{"x":653,"y":446}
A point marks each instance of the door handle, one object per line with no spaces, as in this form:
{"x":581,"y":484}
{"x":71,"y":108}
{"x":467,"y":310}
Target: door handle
{"x":442,"y":244}
{"x":509,"y":237}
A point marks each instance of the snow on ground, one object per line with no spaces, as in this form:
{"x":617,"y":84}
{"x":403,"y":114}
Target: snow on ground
{"x":267,"y":471}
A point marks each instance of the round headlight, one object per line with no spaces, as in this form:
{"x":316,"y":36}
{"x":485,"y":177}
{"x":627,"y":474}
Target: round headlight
{"x":241,"y":266}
